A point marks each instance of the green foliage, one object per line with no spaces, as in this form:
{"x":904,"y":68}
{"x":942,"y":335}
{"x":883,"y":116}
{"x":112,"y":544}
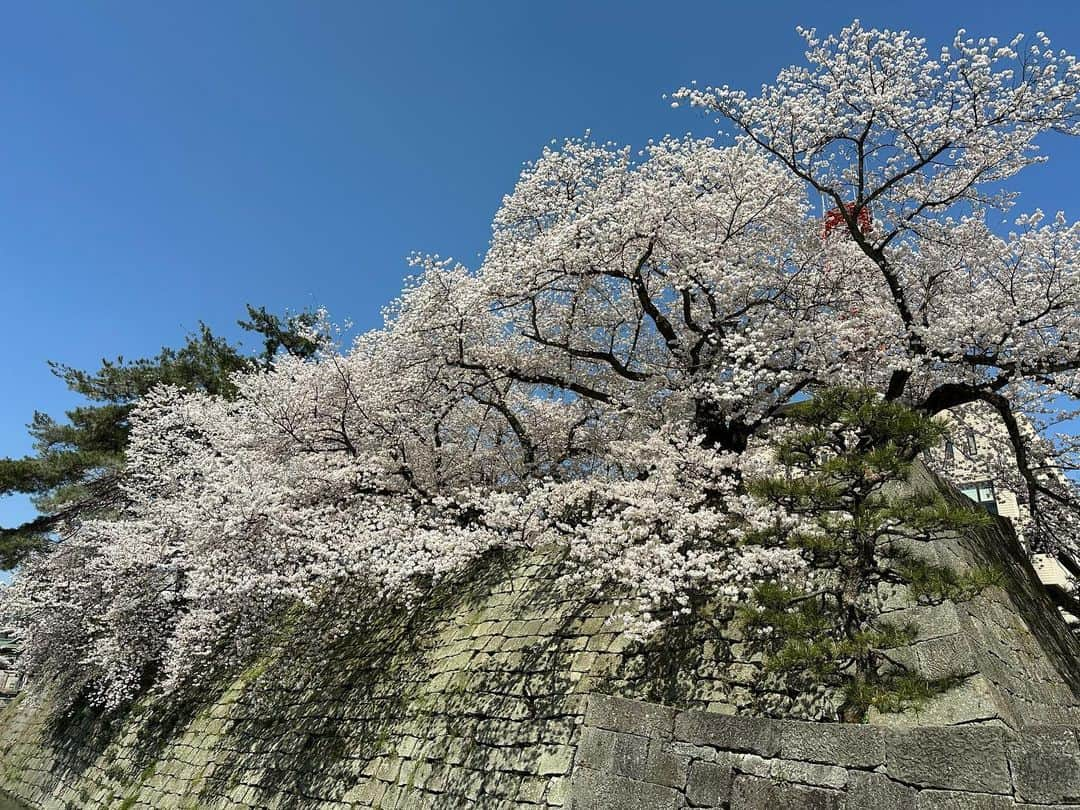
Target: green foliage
{"x":936,"y":583}
{"x":289,"y":335}
{"x":902,"y":691}
{"x":920,"y":513}
{"x":846,"y":454}
{"x":76,"y":465}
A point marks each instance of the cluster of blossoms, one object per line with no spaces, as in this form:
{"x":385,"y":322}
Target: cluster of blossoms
{"x":638,"y":324}
{"x":230,"y":521}
{"x":671,"y":523}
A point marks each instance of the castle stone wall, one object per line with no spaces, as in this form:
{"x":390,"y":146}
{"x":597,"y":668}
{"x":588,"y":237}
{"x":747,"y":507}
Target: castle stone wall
{"x":474,"y":701}
{"x":478,"y":700}
{"x":641,"y":756}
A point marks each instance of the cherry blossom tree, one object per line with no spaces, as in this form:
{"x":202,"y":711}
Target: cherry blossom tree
{"x":874,"y":122}
{"x":697,"y":283}
{"x":609,"y":377}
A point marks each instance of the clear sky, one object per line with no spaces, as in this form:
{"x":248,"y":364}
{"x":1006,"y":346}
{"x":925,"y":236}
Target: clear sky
{"x":162,"y":163}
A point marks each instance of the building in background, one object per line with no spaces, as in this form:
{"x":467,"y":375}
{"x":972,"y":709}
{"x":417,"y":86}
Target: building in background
{"x":978,"y":459}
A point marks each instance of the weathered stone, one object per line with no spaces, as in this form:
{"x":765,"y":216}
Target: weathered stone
{"x":809,"y":773}
{"x":729,"y":733}
{"x":754,"y":793}
{"x":875,"y":791}
{"x":665,"y":766}
{"x":555,"y":760}
{"x":690,"y":751}
{"x":945,"y":657}
{"x":961,"y":800}
{"x":464,"y":704}
{"x":963,"y":758}
{"x":630,"y":755}
{"x":620,"y":714}
{"x":709,"y":784}
{"x":598,"y":791}
{"x":596,"y":749}
{"x":974,"y":700}
{"x":856,"y":746}
{"x":929,"y":621}
{"x":557,"y":792}
{"x":1060,"y":738}
{"x":918,"y":549}
{"x":1046,"y":765}
{"x":893,"y":596}
{"x":752,"y":764}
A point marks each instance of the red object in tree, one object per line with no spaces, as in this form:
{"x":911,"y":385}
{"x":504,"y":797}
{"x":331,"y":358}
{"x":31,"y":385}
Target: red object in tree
{"x":834,"y":218}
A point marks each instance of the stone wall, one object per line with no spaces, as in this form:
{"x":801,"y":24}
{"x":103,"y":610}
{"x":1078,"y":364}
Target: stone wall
{"x":1021,"y":655}
{"x":474,"y":701}
{"x":478,"y":699}
{"x":642,"y":756}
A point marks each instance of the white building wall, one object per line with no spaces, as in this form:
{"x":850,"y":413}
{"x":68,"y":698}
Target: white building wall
{"x":979,"y":453}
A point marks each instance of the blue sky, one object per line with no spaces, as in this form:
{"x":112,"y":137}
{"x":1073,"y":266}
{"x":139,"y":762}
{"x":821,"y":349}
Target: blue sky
{"x":163,"y":163}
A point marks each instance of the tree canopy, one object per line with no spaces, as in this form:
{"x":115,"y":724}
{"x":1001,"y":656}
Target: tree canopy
{"x":610,"y":377}
{"x":75,"y":469}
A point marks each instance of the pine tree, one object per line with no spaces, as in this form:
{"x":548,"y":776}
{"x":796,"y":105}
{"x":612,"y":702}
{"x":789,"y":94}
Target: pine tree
{"x":75,"y":468}
{"x":846,"y":456}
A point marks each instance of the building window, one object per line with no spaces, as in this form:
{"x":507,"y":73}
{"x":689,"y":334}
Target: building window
{"x":970,"y":447}
{"x":982,"y":492}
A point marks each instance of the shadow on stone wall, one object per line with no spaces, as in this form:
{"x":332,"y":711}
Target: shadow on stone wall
{"x":471,"y":700}
{"x":476,"y":700}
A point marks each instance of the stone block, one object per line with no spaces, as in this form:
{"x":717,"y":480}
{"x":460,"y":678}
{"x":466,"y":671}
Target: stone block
{"x":591,"y":790}
{"x":945,"y":657}
{"x":875,"y":791}
{"x":709,"y":784}
{"x":976,"y":699}
{"x":685,"y":749}
{"x":809,"y":773}
{"x":855,"y":746}
{"x":1060,"y":738}
{"x":629,"y":716}
{"x":596,"y":749}
{"x":968,"y":758}
{"x":929,"y":621}
{"x":752,"y":764}
{"x":962,"y":800}
{"x":893,"y":597}
{"x":919,"y":549}
{"x":557,"y":792}
{"x":1046,"y":765}
{"x":754,"y":793}
{"x":665,"y":766}
{"x":729,"y":733}
{"x":629,"y":755}
{"x":555,"y":760}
